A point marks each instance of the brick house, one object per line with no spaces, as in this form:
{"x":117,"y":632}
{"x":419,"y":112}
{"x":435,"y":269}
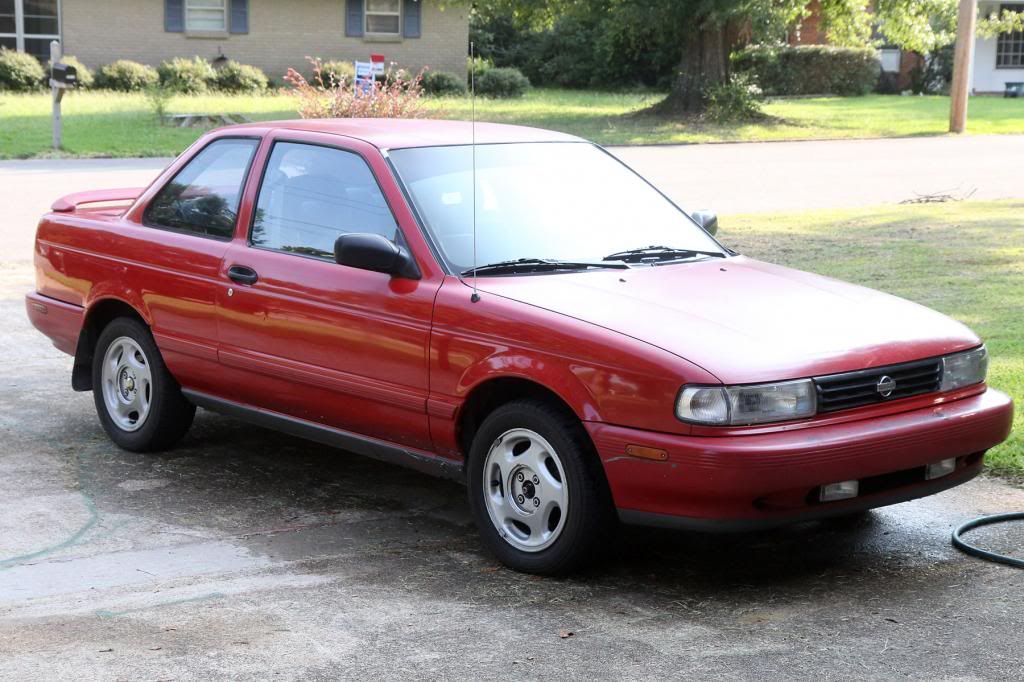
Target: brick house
{"x":270,"y":34}
{"x":897,"y":64}
{"x":997,"y":61}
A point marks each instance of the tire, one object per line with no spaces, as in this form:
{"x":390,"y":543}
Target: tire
{"x":529,"y":458}
{"x":139,"y":403}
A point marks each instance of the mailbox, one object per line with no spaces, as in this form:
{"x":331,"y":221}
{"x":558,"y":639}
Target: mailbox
{"x":63,"y":76}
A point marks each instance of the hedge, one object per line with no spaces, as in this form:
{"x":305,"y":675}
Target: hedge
{"x":337,"y":72}
{"x":241,"y":78}
{"x":809,"y":69}
{"x":189,"y":76}
{"x":502,"y":82}
{"x":126,"y":76}
{"x":443,"y":84}
{"x":20,"y":71}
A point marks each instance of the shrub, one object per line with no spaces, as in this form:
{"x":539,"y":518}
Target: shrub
{"x":337,"y":72}
{"x":502,"y":82}
{"x":85,"y":76}
{"x":159,"y":99}
{"x":565,"y":54}
{"x":809,"y":69}
{"x":189,"y":76}
{"x":127,"y":76}
{"x":477,"y":66}
{"x":235,"y":77}
{"x":393,"y":97}
{"x":737,"y":100}
{"x":19,"y":71}
{"x":443,"y":84}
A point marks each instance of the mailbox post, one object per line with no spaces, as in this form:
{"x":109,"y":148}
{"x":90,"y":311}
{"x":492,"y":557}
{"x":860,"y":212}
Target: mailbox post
{"x":62,"y":77}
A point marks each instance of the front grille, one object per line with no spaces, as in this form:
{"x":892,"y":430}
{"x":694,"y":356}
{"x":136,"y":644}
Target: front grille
{"x":856,"y":389}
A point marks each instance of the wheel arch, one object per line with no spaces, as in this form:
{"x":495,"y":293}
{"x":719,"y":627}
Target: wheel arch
{"x":490,"y":394}
{"x":99,"y":314}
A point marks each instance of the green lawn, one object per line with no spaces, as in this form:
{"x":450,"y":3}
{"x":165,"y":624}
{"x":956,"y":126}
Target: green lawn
{"x":964,"y":259}
{"x":112,"y":124}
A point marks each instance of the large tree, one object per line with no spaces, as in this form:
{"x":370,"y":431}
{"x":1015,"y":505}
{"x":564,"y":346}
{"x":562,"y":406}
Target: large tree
{"x":706,"y":32}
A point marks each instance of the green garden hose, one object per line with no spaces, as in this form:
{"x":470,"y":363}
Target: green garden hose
{"x":985,"y":554}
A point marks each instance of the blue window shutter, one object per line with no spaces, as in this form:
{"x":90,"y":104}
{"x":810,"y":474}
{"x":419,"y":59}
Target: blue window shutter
{"x":354,"y":18}
{"x":239,"y":16}
{"x":412,"y":18}
{"x":174,"y":16}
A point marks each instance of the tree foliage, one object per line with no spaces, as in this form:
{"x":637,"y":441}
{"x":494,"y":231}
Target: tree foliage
{"x":700,"y":34}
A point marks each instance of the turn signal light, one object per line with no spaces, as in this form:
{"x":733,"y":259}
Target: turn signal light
{"x":644,"y":452}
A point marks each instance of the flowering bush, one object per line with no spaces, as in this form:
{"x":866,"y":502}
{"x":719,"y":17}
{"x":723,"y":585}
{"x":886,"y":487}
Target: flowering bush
{"x":397,"y":96}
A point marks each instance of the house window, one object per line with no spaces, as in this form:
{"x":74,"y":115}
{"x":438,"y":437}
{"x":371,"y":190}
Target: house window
{"x":206,"y":15}
{"x":29,"y":25}
{"x":1010,"y":46}
{"x":383,"y":17}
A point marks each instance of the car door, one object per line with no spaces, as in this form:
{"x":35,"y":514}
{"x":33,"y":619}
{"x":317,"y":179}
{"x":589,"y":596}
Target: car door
{"x":303,"y":336}
{"x":169,"y":249}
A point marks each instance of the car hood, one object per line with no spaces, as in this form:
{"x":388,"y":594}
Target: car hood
{"x":744,"y":320}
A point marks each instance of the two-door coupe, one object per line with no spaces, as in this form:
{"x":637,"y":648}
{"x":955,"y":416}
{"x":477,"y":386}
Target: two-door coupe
{"x":524,"y":314}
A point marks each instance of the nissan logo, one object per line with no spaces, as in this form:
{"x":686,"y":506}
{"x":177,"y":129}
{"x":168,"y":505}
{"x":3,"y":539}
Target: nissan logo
{"x":885,"y":386}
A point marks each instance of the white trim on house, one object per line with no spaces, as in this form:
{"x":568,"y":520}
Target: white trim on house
{"x":986,"y":77}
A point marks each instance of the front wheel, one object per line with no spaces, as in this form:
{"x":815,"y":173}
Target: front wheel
{"x":537,"y":490}
{"x":139,"y":403}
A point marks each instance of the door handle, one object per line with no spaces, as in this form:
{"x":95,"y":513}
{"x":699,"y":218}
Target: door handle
{"x":242,"y":275}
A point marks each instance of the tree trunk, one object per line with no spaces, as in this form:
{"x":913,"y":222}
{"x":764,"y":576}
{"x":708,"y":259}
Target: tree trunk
{"x":705,"y":64}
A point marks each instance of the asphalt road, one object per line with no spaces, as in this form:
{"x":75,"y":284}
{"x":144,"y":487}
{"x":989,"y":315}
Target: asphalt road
{"x":247,"y":554}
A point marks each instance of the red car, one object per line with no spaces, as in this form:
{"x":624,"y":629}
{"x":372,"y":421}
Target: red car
{"x":525,"y":314}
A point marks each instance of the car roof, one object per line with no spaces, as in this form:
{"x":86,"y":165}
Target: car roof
{"x":398,"y":133}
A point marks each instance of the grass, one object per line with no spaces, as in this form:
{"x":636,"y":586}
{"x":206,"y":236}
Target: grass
{"x":115,"y":124}
{"x":964,"y":259}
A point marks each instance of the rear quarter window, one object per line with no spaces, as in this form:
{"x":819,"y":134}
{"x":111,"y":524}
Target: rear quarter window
{"x":203,"y":198}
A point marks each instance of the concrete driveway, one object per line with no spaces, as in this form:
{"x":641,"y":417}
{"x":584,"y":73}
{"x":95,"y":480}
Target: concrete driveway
{"x":247,"y":554}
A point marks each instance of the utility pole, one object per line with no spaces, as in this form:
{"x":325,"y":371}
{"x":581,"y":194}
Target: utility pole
{"x":962,"y":66}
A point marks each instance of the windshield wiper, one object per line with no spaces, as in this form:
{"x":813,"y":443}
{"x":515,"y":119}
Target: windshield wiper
{"x":524,"y":265}
{"x":653,"y":254}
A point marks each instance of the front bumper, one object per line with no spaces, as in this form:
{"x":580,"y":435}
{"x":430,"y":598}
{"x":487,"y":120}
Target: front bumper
{"x":744,"y":482}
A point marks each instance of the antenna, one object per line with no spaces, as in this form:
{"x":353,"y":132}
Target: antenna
{"x":472,"y":95}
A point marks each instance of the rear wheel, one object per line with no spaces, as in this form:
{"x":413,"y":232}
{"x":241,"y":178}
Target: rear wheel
{"x":139,"y":403}
{"x":536,"y":489}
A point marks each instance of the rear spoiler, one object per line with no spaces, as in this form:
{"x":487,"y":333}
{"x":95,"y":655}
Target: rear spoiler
{"x":68,"y":204}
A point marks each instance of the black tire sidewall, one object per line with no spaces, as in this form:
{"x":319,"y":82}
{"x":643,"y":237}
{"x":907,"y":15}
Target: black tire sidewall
{"x":589,"y":505}
{"x":169,"y":415}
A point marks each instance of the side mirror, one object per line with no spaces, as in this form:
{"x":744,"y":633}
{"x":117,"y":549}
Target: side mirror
{"x":374,"y":252}
{"x":707,"y":220}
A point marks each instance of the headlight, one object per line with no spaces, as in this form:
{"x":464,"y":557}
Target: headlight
{"x":740,"y":405}
{"x":964,"y":369}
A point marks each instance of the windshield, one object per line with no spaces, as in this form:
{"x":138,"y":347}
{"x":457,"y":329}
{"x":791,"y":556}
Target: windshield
{"x":559,"y":201}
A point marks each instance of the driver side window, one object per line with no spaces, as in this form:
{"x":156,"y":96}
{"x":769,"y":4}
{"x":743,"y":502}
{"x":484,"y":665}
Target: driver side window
{"x":312,"y":195}
{"x":202,"y":199}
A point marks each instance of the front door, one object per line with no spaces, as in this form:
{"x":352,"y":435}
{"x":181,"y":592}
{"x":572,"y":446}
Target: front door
{"x":303,"y":336}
